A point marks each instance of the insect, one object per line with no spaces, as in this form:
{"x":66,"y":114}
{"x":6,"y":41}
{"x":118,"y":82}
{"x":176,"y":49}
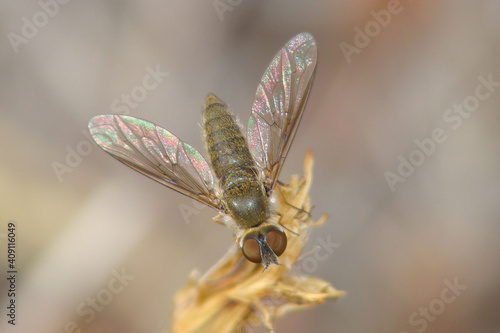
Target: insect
{"x":241,"y":177}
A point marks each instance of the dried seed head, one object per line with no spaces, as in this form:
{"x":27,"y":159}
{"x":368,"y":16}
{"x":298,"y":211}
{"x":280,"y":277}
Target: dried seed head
{"x":235,"y":295}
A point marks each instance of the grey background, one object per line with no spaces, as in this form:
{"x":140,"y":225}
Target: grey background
{"x":396,"y":248}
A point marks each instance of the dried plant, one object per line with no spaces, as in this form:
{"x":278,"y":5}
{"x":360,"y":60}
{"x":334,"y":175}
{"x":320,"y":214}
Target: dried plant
{"x":236,"y":295}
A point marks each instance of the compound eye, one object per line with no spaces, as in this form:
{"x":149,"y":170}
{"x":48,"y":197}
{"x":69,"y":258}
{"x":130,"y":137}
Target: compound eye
{"x":251,"y":250}
{"x":277,"y":241}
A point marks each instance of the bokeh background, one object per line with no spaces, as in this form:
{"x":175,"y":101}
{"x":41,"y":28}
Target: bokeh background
{"x":398,"y":249}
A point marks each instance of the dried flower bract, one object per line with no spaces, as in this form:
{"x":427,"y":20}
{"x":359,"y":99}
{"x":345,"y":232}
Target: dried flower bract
{"x":236,"y":295}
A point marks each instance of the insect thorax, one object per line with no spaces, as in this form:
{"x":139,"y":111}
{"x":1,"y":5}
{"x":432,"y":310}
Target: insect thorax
{"x":243,"y":193}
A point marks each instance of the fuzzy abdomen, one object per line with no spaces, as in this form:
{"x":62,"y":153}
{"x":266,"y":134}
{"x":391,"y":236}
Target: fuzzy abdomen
{"x":243,"y":192}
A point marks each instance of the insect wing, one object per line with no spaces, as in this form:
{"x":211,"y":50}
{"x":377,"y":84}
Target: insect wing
{"x":156,"y":153}
{"x":279,"y":102}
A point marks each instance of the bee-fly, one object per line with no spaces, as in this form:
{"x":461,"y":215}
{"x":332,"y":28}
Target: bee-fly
{"x":246,"y":170}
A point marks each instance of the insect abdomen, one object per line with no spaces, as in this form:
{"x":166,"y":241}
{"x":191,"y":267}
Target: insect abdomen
{"x":243,"y":193}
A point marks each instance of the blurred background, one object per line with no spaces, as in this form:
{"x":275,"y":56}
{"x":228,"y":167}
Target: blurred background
{"x":403,"y":120}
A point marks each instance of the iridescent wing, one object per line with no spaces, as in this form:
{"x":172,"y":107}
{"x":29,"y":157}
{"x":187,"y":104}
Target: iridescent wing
{"x":279,"y":102}
{"x":156,"y":153}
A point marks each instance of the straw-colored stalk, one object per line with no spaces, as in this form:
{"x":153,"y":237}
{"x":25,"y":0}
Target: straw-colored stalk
{"x":236,"y":295}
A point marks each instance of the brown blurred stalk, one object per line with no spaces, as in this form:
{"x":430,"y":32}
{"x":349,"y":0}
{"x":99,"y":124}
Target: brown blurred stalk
{"x":235,"y":295}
